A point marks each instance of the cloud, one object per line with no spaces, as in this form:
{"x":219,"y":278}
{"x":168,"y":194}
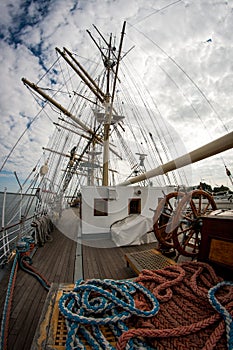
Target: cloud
{"x":189,"y":78}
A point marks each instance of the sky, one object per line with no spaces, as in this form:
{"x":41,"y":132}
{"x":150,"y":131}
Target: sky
{"x":183,"y":54}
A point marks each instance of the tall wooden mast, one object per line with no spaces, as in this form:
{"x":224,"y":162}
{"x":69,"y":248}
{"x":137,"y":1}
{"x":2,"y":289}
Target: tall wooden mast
{"x":111,"y":62}
{"x":109,"y":99}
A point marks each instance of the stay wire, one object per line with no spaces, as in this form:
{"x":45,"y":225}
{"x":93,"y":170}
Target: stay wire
{"x":30,"y":123}
{"x":157,"y":11}
{"x":184,"y":72}
{"x":136,"y":113}
{"x":159,"y":132}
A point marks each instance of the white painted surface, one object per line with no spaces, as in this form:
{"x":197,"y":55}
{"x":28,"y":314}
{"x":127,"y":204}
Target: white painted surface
{"x":134,"y":230}
{"x":118,"y":207}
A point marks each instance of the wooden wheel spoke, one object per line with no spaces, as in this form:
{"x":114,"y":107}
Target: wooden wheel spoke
{"x":166,"y":215}
{"x":194,"y":209}
{"x":206,"y":208}
{"x":163,"y":217}
{"x":166,"y":235}
{"x":191,"y":207}
{"x":170,"y":206}
{"x":189,"y":237}
{"x":162,"y":229}
{"x":199,"y":202}
{"x":183,"y":231}
{"x":196,"y":241}
{"x":173,"y":208}
{"x":188,"y":218}
{"x":202,"y":211}
{"x":189,"y":245}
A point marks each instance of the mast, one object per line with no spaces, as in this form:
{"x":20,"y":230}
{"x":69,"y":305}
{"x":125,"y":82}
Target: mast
{"x":83,"y":74}
{"x":59,"y":106}
{"x":67,"y":113}
{"x":217,"y":146}
{"x":108,"y":64}
{"x":105,"y":98}
{"x":109,"y":104}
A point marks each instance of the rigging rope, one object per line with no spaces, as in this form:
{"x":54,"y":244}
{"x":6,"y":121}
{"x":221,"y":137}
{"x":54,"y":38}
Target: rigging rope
{"x":184,"y":72}
{"x":142,"y":120}
{"x":17,"y":142}
{"x":160,"y":127}
{"x":157,"y":11}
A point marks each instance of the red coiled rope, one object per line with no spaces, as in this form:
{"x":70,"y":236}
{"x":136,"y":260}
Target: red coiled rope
{"x":186,"y":319}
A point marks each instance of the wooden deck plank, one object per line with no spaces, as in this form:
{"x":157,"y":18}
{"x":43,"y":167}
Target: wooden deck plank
{"x":53,"y":261}
{"x":59,"y":254}
{"x":56,"y":261}
{"x":109,"y":262}
{"x":25,"y":324}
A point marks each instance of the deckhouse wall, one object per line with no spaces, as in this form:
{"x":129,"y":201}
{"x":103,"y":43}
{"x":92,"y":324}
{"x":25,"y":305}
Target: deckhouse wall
{"x":102,"y":206}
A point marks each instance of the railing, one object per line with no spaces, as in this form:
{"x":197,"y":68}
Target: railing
{"x":10,"y":235}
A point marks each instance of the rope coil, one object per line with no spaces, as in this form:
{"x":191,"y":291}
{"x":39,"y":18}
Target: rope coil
{"x":8,"y":304}
{"x":186,"y":319}
{"x":22,"y":260}
{"x":223,"y":311}
{"x":95,"y":303}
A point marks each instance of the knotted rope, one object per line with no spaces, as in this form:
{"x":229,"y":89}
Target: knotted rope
{"x":95,"y":303}
{"x":186,"y":319}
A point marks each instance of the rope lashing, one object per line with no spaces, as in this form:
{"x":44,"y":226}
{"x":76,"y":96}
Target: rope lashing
{"x":223,"y":311}
{"x":43,"y":228}
{"x":23,"y":247}
{"x":7,"y":305}
{"x":30,"y":240}
{"x":25,"y":264}
{"x":95,"y":303}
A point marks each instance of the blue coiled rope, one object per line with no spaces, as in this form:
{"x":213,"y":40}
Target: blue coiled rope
{"x":222,"y":311}
{"x":7,"y":304}
{"x":24,"y":261}
{"x":95,"y":303}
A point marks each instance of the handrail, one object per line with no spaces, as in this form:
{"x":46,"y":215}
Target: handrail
{"x":19,"y":222}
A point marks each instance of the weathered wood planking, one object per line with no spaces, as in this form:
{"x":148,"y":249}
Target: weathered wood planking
{"x":56,"y":261}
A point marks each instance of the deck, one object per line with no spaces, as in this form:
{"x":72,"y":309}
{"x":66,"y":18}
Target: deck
{"x":57,"y":261}
{"x":61,"y":261}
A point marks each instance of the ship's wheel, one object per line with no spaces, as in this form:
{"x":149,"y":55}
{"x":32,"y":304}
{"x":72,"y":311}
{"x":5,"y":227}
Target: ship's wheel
{"x":186,"y":223}
{"x":163,"y":218}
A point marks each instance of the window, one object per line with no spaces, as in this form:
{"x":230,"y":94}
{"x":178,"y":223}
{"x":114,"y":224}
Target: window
{"x":134,"y":206}
{"x":100,"y":207}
